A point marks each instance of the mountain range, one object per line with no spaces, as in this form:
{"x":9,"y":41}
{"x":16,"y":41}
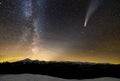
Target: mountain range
{"x":66,"y":70}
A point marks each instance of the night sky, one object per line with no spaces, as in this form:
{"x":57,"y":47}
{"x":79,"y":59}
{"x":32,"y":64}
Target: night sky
{"x":54,"y":30}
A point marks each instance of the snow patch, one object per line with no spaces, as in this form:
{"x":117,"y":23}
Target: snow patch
{"x":32,"y":77}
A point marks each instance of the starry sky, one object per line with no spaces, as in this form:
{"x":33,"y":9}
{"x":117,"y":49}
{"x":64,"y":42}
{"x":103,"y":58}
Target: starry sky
{"x":53,"y":30}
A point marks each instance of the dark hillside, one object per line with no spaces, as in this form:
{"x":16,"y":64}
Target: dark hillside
{"x":68,"y":70}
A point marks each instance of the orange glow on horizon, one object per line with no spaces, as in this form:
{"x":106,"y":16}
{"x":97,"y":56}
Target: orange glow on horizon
{"x":12,"y":55}
{"x":60,"y":58}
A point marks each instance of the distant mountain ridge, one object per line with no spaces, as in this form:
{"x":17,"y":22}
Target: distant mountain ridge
{"x":27,"y":60}
{"x":67,"y":70}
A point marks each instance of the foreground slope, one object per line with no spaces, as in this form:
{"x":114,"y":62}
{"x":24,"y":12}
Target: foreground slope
{"x":31,"y":77}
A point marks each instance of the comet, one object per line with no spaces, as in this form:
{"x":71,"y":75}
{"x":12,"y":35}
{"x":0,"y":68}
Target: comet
{"x":94,"y":5}
{"x":86,"y":21}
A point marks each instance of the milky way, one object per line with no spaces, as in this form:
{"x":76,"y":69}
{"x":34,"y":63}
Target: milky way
{"x":31,"y":29}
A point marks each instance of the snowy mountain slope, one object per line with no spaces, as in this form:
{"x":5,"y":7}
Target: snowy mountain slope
{"x":31,"y":77}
